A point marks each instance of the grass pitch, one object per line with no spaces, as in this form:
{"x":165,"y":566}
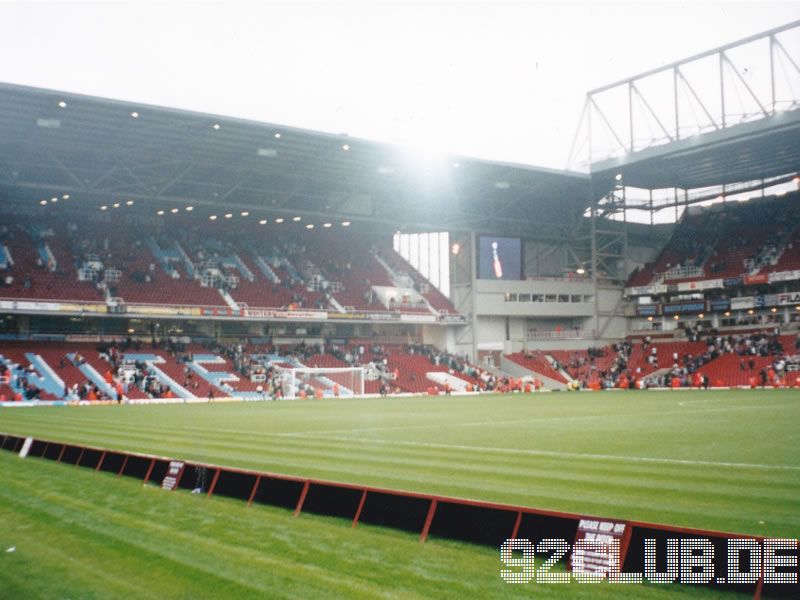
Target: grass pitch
{"x":723,"y":460}
{"x":77,"y":533}
{"x":719,"y":460}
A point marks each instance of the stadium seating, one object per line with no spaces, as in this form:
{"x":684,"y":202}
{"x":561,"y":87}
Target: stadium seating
{"x":538,"y":363}
{"x":720,"y":240}
{"x":158,"y":268}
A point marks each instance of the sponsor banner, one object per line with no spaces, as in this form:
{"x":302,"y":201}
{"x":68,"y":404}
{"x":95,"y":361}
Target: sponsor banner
{"x":742,"y":303}
{"x":92,"y":308}
{"x":767,"y":300}
{"x":83,"y":337}
{"x":452,"y":318}
{"x":784,"y":276}
{"x":150,"y":309}
{"x":417,"y":318}
{"x":28,"y":305}
{"x":640,"y":290}
{"x":352,"y":316}
{"x":703,"y":284}
{"x":719,"y":304}
{"x":756,"y":279}
{"x":647,"y":310}
{"x":385,"y":317}
{"x":732,"y":282}
{"x":789,"y":298}
{"x":684,"y":307}
{"x":265,"y":313}
{"x":646,"y":290}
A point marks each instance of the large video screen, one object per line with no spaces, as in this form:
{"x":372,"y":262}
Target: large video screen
{"x":499,"y":257}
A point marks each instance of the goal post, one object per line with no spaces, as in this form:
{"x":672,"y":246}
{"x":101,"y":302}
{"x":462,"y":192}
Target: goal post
{"x":329,"y":381}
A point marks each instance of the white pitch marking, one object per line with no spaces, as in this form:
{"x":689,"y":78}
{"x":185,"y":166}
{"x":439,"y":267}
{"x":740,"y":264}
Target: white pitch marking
{"x":557,"y":454}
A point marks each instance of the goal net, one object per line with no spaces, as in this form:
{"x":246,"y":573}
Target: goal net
{"x":330,"y":382}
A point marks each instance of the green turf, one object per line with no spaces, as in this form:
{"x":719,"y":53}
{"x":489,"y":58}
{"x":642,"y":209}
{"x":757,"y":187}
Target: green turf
{"x":725,"y":460}
{"x":78,"y":533}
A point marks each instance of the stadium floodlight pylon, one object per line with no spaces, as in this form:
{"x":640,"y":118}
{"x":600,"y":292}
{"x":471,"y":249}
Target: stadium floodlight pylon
{"x":329,"y":381}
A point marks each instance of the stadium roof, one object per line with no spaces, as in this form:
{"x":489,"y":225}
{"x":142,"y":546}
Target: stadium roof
{"x":99,"y":149}
{"x":769,"y":147}
{"x":746,"y":130}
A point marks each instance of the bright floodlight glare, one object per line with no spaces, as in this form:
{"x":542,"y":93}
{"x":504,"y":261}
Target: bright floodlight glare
{"x":62,"y":104}
{"x":228,"y":215}
{"x":65,"y":196}
{"x":456,"y":248}
{"x":676,"y":317}
{"x":277,"y":136}
{"x":189,"y":208}
{"x":54,"y":199}
{"x":173,"y":210}
{"x":345,"y":147}
{"x":701,"y":316}
{"x":104,"y":207}
{"x":618,"y":176}
{"x":244,"y":213}
{"x":296,"y":219}
{"x":129,"y":203}
{"x":345,"y":223}
{"x":263,"y":222}
{"x":215,"y":125}
{"x":135,"y":115}
{"x":212,"y":218}
{"x":115,"y":205}
{"x":43,"y":202}
{"x":580,"y":270}
{"x":279,"y":220}
{"x":327,"y":225}
{"x":310,"y":226}
{"x":160,"y":212}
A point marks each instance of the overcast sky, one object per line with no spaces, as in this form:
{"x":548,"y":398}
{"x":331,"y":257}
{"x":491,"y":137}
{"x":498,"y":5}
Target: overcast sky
{"x":504,"y":81}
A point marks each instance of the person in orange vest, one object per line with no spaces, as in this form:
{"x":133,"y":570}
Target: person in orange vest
{"x":697,"y":379}
{"x":120,"y":391}
{"x":109,"y":377}
{"x":318,"y":394}
{"x":528,"y":387}
{"x":91,"y":395}
{"x":447,"y":388}
{"x":676,"y":382}
{"x":302,"y":394}
{"x":537,"y":383}
{"x":469,"y":387}
{"x":336,"y":390}
{"x":753,"y":381}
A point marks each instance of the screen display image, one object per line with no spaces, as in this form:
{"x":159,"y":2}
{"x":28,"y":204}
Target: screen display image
{"x":499,"y":257}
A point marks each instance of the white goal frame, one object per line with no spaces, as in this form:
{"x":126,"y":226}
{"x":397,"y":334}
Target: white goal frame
{"x":350,"y":380}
